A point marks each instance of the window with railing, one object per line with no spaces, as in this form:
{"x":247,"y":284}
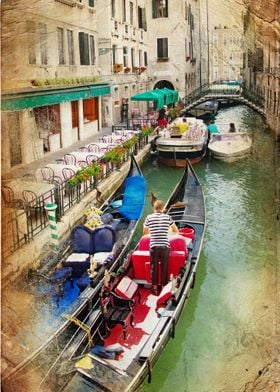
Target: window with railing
{"x":160,"y":8}
{"x":162,"y":49}
{"x":60,"y":45}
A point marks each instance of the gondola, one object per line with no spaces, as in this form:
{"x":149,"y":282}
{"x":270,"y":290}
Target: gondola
{"x":137,"y":324}
{"x":91,"y":252}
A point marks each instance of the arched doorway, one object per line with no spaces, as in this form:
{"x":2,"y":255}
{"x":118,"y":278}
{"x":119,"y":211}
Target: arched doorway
{"x":164,"y":83}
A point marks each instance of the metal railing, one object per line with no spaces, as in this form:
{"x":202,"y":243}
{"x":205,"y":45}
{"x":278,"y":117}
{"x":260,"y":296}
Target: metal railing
{"x":224,"y":90}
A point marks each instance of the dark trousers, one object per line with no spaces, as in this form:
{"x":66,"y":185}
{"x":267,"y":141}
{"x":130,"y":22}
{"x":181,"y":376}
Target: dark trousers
{"x":159,"y":254}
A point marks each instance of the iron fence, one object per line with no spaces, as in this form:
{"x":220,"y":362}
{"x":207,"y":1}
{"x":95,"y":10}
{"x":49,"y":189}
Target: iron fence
{"x":21,"y":223}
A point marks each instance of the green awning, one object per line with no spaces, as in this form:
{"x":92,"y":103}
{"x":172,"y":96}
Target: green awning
{"x":150,"y":95}
{"x":161,"y":97}
{"x":171,"y":93}
{"x":33,"y":99}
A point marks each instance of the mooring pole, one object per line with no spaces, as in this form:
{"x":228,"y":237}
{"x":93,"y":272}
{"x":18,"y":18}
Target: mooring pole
{"x":51,"y":209}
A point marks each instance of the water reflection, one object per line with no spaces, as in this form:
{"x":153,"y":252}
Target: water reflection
{"x":224,"y":336}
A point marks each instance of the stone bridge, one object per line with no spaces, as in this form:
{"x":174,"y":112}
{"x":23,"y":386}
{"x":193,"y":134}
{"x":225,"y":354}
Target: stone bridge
{"x":224,"y":93}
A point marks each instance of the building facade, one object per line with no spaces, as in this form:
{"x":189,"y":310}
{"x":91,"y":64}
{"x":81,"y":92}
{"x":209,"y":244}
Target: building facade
{"x":51,"y":90}
{"x":70,"y":67}
{"x":226,"y":48}
{"x":261,"y":69}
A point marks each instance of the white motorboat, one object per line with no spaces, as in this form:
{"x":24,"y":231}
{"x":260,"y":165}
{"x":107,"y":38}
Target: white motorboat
{"x":185,"y":138}
{"x":229,"y":146}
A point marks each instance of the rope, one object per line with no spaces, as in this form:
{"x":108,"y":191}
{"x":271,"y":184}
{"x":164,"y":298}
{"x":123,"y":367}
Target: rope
{"x":80,"y":324}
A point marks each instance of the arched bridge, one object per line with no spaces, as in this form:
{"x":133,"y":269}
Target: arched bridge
{"x":222,"y":92}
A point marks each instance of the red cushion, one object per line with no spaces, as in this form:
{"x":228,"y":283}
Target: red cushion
{"x":144,"y":243}
{"x":165,"y":295}
{"x":177,"y":260}
{"x":139,"y":258}
{"x":126,"y":288}
{"x":177,"y":242}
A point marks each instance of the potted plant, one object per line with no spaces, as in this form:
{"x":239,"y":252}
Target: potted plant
{"x":115,"y":155}
{"x":127,"y":69}
{"x":85,"y":173}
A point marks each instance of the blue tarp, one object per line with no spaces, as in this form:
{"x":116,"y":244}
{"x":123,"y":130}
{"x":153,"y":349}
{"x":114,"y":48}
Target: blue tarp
{"x":134,"y":197}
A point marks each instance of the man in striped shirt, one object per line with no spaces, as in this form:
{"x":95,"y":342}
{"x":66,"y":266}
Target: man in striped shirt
{"x":157,"y":225}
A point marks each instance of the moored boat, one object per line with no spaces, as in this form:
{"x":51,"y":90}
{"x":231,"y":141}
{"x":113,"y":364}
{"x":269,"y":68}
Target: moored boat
{"x":185,"y":138}
{"x":230,"y":146}
{"x":136,"y":323}
{"x":92,"y":251}
{"x":204,"y":110}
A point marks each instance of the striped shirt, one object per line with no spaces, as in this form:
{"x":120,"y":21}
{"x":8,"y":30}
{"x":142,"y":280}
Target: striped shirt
{"x":158,"y":223}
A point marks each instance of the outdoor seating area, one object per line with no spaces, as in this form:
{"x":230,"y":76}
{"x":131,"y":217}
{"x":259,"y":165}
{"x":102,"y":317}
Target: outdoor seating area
{"x":67,"y":179}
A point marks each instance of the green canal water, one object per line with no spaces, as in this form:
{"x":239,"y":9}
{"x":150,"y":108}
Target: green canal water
{"x":225,"y":335}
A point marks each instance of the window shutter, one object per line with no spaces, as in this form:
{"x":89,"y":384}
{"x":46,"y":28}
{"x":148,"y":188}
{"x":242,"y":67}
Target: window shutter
{"x":154,"y":5}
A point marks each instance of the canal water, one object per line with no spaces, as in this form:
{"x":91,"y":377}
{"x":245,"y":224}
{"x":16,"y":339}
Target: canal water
{"x":225,"y":335}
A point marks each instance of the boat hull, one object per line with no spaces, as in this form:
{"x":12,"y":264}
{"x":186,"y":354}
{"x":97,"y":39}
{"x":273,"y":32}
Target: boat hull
{"x":229,"y":147}
{"x":178,"y":158}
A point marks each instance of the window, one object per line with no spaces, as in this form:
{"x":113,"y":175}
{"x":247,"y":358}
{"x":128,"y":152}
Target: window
{"x":48,"y":122}
{"x":92,"y":49}
{"x":162,"y":48}
{"x":113,"y":8}
{"x":131,"y":12}
{"x":142,"y":24}
{"x":160,"y":8}
{"x":91,"y":3}
{"x":31,"y":29}
{"x":132,"y":57}
{"x":90,"y":107}
{"x":43,"y":43}
{"x":140,"y":56}
{"x":114,"y":53}
{"x":75,"y":115}
{"x":84,"y":48}
{"x":60,"y":41}
{"x":70,"y":43}
{"x":145,"y":59}
{"x":124,"y":10}
{"x":125,"y":56}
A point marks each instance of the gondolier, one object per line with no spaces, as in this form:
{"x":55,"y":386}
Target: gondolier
{"x":158,"y":225}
